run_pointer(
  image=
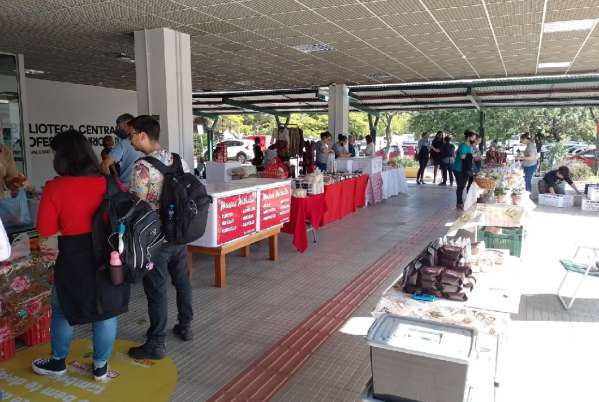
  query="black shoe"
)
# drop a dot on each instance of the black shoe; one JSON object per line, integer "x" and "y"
{"x": 442, "y": 183}
{"x": 152, "y": 351}
{"x": 184, "y": 332}
{"x": 101, "y": 373}
{"x": 51, "y": 367}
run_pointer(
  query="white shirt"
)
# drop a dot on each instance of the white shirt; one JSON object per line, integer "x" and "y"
{"x": 369, "y": 149}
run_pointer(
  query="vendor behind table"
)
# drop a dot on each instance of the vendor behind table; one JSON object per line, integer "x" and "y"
{"x": 551, "y": 182}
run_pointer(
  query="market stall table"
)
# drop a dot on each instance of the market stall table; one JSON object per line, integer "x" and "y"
{"x": 476, "y": 191}
{"x": 309, "y": 209}
{"x": 243, "y": 212}
{"x": 374, "y": 189}
{"x": 343, "y": 198}
{"x": 394, "y": 182}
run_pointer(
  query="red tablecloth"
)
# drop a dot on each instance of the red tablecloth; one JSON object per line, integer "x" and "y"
{"x": 304, "y": 209}
{"x": 342, "y": 198}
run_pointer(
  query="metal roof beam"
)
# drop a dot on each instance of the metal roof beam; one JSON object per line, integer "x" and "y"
{"x": 250, "y": 106}
{"x": 473, "y": 99}
{"x": 259, "y": 92}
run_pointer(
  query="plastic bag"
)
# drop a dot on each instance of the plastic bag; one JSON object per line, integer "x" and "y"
{"x": 15, "y": 211}
{"x": 20, "y": 247}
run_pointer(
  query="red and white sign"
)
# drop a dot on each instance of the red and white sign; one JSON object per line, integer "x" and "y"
{"x": 236, "y": 216}
{"x": 275, "y": 206}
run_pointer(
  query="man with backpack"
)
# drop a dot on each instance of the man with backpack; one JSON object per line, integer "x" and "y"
{"x": 147, "y": 183}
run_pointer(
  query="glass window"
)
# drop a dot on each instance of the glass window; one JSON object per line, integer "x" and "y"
{"x": 10, "y": 109}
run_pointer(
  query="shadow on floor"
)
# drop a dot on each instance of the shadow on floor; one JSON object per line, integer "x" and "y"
{"x": 547, "y": 307}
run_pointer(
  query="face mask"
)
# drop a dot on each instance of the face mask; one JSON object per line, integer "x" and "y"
{"x": 122, "y": 134}
{"x": 473, "y": 142}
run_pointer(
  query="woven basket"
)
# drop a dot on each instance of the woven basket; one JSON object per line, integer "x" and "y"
{"x": 484, "y": 183}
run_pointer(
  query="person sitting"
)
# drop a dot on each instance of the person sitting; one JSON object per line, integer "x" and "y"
{"x": 369, "y": 146}
{"x": 339, "y": 147}
{"x": 551, "y": 182}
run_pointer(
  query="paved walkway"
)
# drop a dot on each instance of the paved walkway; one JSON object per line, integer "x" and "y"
{"x": 265, "y": 301}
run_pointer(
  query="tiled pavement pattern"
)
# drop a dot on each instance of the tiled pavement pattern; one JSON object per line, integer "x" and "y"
{"x": 265, "y": 301}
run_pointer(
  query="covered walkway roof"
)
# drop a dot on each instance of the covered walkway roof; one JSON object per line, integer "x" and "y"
{"x": 537, "y": 91}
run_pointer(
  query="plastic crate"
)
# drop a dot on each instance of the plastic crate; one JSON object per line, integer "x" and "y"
{"x": 589, "y": 205}
{"x": 8, "y": 349}
{"x": 509, "y": 239}
{"x": 556, "y": 200}
{"x": 593, "y": 193}
{"x": 39, "y": 333}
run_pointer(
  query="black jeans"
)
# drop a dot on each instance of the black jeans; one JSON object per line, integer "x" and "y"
{"x": 447, "y": 171}
{"x": 423, "y": 164}
{"x": 461, "y": 178}
{"x": 171, "y": 260}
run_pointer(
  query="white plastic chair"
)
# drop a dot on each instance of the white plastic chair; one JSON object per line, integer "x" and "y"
{"x": 583, "y": 268}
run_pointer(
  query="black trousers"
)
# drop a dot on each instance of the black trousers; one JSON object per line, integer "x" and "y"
{"x": 446, "y": 170}
{"x": 423, "y": 162}
{"x": 171, "y": 260}
{"x": 461, "y": 179}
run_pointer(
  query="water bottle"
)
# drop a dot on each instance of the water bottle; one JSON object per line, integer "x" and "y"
{"x": 117, "y": 276}
{"x": 171, "y": 212}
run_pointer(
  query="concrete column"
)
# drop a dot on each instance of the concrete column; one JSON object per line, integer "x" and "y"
{"x": 163, "y": 81}
{"x": 338, "y": 110}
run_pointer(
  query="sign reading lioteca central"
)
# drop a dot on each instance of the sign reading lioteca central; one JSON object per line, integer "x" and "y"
{"x": 41, "y": 134}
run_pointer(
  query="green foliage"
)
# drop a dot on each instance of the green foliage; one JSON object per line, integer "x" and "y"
{"x": 556, "y": 152}
{"x": 405, "y": 162}
{"x": 579, "y": 170}
{"x": 547, "y": 125}
{"x": 311, "y": 124}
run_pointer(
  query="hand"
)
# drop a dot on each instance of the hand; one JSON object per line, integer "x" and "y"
{"x": 17, "y": 183}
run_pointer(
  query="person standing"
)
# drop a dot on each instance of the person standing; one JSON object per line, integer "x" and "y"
{"x": 447, "y": 160}
{"x": 122, "y": 153}
{"x": 340, "y": 147}
{"x": 477, "y": 161}
{"x": 258, "y": 160}
{"x": 146, "y": 183}
{"x": 463, "y": 165}
{"x": 80, "y": 295}
{"x": 369, "y": 146}
{"x": 435, "y": 153}
{"x": 422, "y": 154}
{"x": 323, "y": 151}
{"x": 352, "y": 145}
{"x": 529, "y": 160}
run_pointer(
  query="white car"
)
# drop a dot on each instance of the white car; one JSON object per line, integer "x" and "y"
{"x": 240, "y": 150}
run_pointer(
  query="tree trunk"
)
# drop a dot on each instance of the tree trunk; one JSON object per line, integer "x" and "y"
{"x": 596, "y": 120}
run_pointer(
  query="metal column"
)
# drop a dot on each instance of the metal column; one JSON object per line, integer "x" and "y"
{"x": 481, "y": 130}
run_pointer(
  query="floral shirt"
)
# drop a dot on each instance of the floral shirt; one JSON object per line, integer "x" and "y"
{"x": 146, "y": 180}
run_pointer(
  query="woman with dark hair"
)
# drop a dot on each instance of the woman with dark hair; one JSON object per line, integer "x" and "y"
{"x": 422, "y": 153}
{"x": 447, "y": 160}
{"x": 462, "y": 167}
{"x": 436, "y": 149}
{"x": 82, "y": 294}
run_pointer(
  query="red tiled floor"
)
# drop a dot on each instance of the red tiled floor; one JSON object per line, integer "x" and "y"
{"x": 263, "y": 378}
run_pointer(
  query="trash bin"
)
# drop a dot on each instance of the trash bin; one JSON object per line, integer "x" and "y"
{"x": 419, "y": 360}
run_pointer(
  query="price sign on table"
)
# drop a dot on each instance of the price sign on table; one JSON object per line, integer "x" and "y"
{"x": 275, "y": 206}
{"x": 236, "y": 216}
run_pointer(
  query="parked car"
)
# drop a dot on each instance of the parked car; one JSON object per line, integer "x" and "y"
{"x": 393, "y": 150}
{"x": 239, "y": 150}
{"x": 409, "y": 148}
{"x": 588, "y": 157}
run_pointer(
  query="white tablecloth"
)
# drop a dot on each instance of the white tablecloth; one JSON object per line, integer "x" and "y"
{"x": 394, "y": 182}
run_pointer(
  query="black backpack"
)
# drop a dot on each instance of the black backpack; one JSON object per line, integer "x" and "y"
{"x": 184, "y": 202}
{"x": 142, "y": 237}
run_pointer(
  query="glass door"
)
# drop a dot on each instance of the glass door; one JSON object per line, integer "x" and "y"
{"x": 10, "y": 109}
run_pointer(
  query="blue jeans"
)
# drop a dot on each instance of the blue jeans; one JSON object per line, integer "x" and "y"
{"x": 104, "y": 334}
{"x": 321, "y": 166}
{"x": 529, "y": 171}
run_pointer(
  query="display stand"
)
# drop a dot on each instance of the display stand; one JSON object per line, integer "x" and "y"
{"x": 243, "y": 244}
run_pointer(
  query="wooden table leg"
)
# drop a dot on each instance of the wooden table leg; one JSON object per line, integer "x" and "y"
{"x": 189, "y": 262}
{"x": 220, "y": 271}
{"x": 245, "y": 251}
{"x": 273, "y": 245}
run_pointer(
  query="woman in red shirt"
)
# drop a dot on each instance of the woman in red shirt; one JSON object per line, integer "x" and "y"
{"x": 82, "y": 293}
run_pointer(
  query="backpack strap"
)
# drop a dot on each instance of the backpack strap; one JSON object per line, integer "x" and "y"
{"x": 113, "y": 186}
{"x": 175, "y": 169}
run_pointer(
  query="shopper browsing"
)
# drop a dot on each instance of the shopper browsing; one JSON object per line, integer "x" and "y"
{"x": 352, "y": 145}
{"x": 147, "y": 183}
{"x": 80, "y": 295}
{"x": 551, "y": 183}
{"x": 122, "y": 153}
{"x": 462, "y": 167}
{"x": 477, "y": 161}
{"x": 423, "y": 148}
{"x": 447, "y": 160}
{"x": 529, "y": 160}
{"x": 435, "y": 153}
{"x": 340, "y": 147}
{"x": 108, "y": 144}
